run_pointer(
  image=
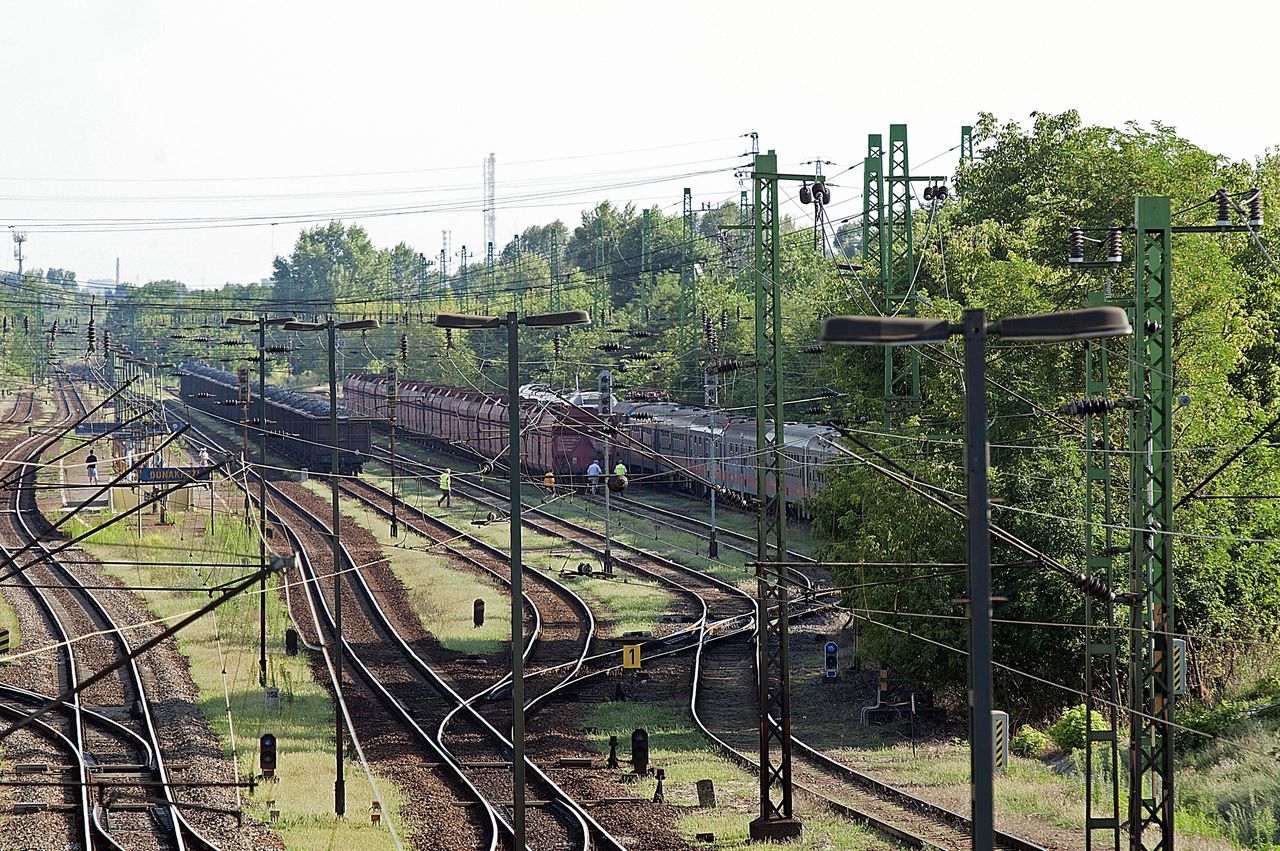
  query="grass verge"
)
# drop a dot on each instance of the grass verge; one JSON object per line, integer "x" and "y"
{"x": 223, "y": 656}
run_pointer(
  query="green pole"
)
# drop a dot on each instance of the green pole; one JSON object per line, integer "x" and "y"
{"x": 262, "y": 497}
{"x": 517, "y": 583}
{"x": 339, "y": 783}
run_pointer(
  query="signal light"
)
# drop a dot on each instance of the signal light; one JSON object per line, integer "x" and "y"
{"x": 267, "y": 754}
{"x": 833, "y": 660}
{"x": 604, "y": 384}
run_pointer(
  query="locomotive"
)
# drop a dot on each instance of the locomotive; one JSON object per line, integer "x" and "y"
{"x": 297, "y": 425}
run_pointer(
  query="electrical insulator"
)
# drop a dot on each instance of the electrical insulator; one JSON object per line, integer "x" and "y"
{"x": 26, "y": 325}
{"x": 91, "y": 340}
{"x": 1115, "y": 242}
{"x": 1075, "y": 246}
{"x": 609, "y": 347}
{"x": 724, "y": 323}
{"x": 811, "y": 350}
{"x": 1094, "y": 588}
{"x": 1224, "y": 208}
{"x": 106, "y": 340}
{"x": 1087, "y": 405}
{"x": 806, "y": 194}
{"x": 448, "y": 338}
{"x": 641, "y": 335}
{"x": 404, "y": 349}
{"x": 1255, "y": 207}
{"x": 556, "y": 345}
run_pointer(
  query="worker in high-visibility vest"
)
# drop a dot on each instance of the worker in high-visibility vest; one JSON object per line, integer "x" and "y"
{"x": 620, "y": 470}
{"x": 549, "y": 483}
{"x": 445, "y": 494}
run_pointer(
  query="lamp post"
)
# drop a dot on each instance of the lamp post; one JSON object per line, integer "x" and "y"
{"x": 339, "y": 783}
{"x": 262, "y": 322}
{"x": 512, "y": 323}
{"x": 1085, "y": 324}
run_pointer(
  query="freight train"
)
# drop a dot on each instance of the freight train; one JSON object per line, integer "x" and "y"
{"x": 297, "y": 425}
{"x": 659, "y": 439}
{"x": 554, "y": 435}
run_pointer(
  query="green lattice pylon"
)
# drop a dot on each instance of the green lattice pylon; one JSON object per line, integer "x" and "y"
{"x": 901, "y": 363}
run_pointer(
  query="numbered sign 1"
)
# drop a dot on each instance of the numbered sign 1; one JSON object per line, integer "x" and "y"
{"x": 631, "y": 656}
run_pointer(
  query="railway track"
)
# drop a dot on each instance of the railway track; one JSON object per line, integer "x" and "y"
{"x": 393, "y": 667}
{"x": 903, "y": 817}
{"x": 141, "y": 810}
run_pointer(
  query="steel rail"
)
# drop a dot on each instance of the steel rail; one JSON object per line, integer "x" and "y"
{"x": 324, "y": 622}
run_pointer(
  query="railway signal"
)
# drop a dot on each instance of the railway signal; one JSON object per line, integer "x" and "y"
{"x": 640, "y": 751}
{"x": 267, "y": 754}
{"x": 833, "y": 660}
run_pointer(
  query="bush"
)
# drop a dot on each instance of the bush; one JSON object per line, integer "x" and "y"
{"x": 1068, "y": 732}
{"x": 1029, "y": 742}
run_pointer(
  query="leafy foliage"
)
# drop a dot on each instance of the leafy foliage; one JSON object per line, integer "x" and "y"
{"x": 1029, "y": 742}
{"x": 1068, "y": 732}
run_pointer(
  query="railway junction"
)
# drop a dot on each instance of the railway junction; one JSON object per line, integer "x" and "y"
{"x": 911, "y": 527}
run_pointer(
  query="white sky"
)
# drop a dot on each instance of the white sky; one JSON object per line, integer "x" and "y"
{"x": 107, "y": 102}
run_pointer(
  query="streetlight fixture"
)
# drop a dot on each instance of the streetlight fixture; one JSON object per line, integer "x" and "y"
{"x": 512, "y": 322}
{"x": 262, "y": 322}
{"x": 339, "y": 783}
{"x": 1085, "y": 324}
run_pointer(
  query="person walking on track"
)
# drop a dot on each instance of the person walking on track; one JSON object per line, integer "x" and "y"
{"x": 445, "y": 499}
{"x": 91, "y": 467}
{"x": 620, "y": 470}
{"x": 549, "y": 482}
{"x": 593, "y": 477}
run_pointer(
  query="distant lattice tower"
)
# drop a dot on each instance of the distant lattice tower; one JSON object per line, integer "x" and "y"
{"x": 490, "y": 219}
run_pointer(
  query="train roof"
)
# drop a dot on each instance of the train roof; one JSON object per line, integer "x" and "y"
{"x": 309, "y": 405}
{"x": 697, "y": 418}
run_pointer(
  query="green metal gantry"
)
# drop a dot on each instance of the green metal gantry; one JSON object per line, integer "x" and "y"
{"x": 874, "y": 257}
{"x": 688, "y": 283}
{"x": 744, "y": 222}
{"x": 646, "y": 258}
{"x": 1102, "y": 638}
{"x": 1151, "y": 483}
{"x": 776, "y": 820}
{"x": 601, "y": 299}
{"x": 901, "y": 363}
{"x": 966, "y": 143}
{"x": 556, "y": 286}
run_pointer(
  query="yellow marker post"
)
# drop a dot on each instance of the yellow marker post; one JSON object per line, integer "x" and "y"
{"x": 631, "y": 657}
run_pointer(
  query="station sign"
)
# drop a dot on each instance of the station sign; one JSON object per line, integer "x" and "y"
{"x": 172, "y": 475}
{"x": 133, "y": 430}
